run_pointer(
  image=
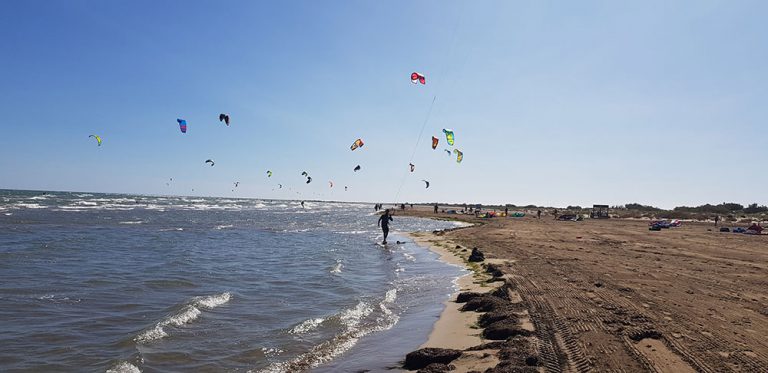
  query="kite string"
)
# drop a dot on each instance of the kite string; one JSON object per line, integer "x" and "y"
{"x": 416, "y": 147}
{"x": 439, "y": 85}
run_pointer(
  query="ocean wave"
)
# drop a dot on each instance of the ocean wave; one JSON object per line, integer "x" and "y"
{"x": 123, "y": 367}
{"x": 307, "y": 326}
{"x": 223, "y": 226}
{"x": 187, "y": 314}
{"x": 27, "y": 205}
{"x": 336, "y": 268}
{"x": 352, "y": 232}
{"x": 352, "y": 320}
{"x": 132, "y": 222}
{"x": 171, "y": 229}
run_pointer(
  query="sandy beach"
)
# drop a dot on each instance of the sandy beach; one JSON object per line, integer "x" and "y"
{"x": 606, "y": 295}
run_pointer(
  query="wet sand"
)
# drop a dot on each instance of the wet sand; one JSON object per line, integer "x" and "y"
{"x": 609, "y": 295}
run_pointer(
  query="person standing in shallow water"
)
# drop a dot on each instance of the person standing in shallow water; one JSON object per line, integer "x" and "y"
{"x": 384, "y": 220}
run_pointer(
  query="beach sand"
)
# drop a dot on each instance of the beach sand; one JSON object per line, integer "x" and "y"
{"x": 609, "y": 295}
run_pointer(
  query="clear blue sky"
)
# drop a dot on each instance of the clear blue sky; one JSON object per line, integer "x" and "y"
{"x": 553, "y": 103}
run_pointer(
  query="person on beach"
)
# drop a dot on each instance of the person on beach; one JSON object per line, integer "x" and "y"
{"x": 538, "y": 214}
{"x": 554, "y": 212}
{"x": 435, "y": 208}
{"x": 717, "y": 219}
{"x": 384, "y": 220}
{"x": 302, "y": 204}
{"x": 506, "y": 212}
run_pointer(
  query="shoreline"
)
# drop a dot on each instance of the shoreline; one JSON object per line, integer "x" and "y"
{"x": 456, "y": 329}
{"x": 602, "y": 295}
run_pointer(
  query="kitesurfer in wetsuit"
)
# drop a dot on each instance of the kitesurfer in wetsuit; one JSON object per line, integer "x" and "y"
{"x": 384, "y": 224}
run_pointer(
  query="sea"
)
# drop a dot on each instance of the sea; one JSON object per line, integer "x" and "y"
{"x": 95, "y": 282}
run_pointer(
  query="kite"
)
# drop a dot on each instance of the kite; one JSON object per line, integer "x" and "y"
{"x": 304, "y": 173}
{"x": 182, "y": 125}
{"x": 357, "y": 144}
{"x": 412, "y": 166}
{"x": 448, "y": 151}
{"x": 237, "y": 183}
{"x": 209, "y": 161}
{"x": 357, "y": 168}
{"x": 331, "y": 183}
{"x": 418, "y": 78}
{"x": 280, "y": 186}
{"x": 426, "y": 182}
{"x": 269, "y": 173}
{"x": 224, "y": 118}
{"x": 435, "y": 140}
{"x": 345, "y": 188}
{"x": 309, "y": 179}
{"x": 459, "y": 155}
{"x": 97, "y": 137}
{"x": 448, "y": 136}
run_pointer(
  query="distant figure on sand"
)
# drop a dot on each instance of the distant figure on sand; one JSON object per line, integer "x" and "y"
{"x": 554, "y": 212}
{"x": 435, "y": 208}
{"x": 384, "y": 224}
{"x": 302, "y": 204}
{"x": 717, "y": 219}
{"x": 402, "y": 206}
{"x": 538, "y": 214}
{"x": 506, "y": 212}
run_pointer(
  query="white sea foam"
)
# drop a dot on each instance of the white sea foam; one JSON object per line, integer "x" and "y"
{"x": 351, "y": 319}
{"x": 28, "y": 205}
{"x": 132, "y": 222}
{"x": 123, "y": 367}
{"x": 171, "y": 229}
{"x": 307, "y": 326}
{"x": 223, "y": 226}
{"x": 336, "y": 267}
{"x": 187, "y": 314}
{"x": 214, "y": 301}
{"x": 390, "y": 296}
{"x": 409, "y": 257}
{"x": 271, "y": 351}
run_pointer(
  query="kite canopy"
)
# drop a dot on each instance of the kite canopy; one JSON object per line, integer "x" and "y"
{"x": 459, "y": 155}
{"x": 280, "y": 186}
{"x": 224, "y": 118}
{"x": 345, "y": 188}
{"x": 210, "y": 161}
{"x": 413, "y": 167}
{"x": 427, "y": 183}
{"x": 182, "y": 125}
{"x": 330, "y": 183}
{"x": 97, "y": 137}
{"x": 448, "y": 136}
{"x": 304, "y": 173}
{"x": 418, "y": 78}
{"x": 448, "y": 151}
{"x": 435, "y": 140}
{"x": 269, "y": 173}
{"x": 357, "y": 144}
{"x": 357, "y": 168}
{"x": 237, "y": 183}
{"x": 309, "y": 179}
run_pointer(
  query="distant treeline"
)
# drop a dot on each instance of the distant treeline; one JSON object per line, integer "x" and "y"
{"x": 723, "y": 208}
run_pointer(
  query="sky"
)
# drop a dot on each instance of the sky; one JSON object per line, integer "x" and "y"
{"x": 553, "y": 103}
